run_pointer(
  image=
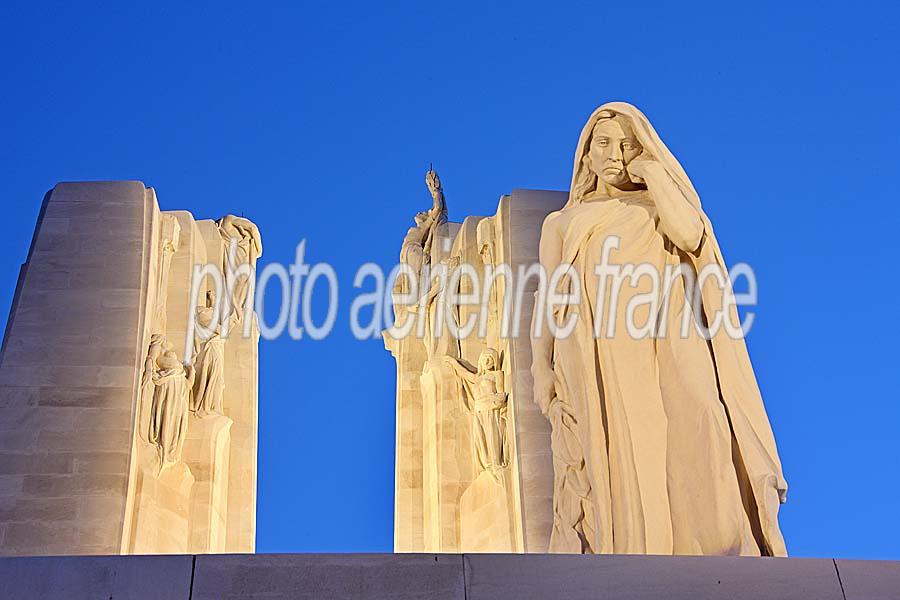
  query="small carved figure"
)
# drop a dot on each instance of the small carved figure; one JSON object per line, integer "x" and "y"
{"x": 209, "y": 363}
{"x": 243, "y": 245}
{"x": 486, "y": 238}
{"x": 416, "y": 249}
{"x": 169, "y": 235}
{"x": 486, "y": 399}
{"x": 167, "y": 384}
{"x": 435, "y": 309}
{"x": 438, "y": 212}
{"x": 412, "y": 252}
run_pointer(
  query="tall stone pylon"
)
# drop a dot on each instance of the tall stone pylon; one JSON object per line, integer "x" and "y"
{"x": 100, "y": 452}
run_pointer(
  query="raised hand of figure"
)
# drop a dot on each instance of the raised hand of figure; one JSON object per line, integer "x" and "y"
{"x": 638, "y": 168}
{"x": 433, "y": 182}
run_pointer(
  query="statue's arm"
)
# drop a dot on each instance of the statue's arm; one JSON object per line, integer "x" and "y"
{"x": 257, "y": 239}
{"x": 240, "y": 221}
{"x": 426, "y": 298}
{"x": 678, "y": 218}
{"x": 433, "y": 291}
{"x": 460, "y": 369}
{"x": 437, "y": 204}
{"x": 550, "y": 252}
{"x": 148, "y": 371}
{"x": 252, "y": 231}
{"x": 429, "y": 225}
{"x": 501, "y": 382}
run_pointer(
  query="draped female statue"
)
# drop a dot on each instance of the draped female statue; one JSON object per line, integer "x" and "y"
{"x": 209, "y": 362}
{"x": 243, "y": 245}
{"x": 166, "y": 383}
{"x": 661, "y": 443}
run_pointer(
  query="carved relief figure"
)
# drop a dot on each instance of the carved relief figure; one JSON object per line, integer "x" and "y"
{"x": 411, "y": 252}
{"x": 438, "y": 213}
{"x": 154, "y": 351}
{"x": 167, "y": 384}
{"x": 170, "y": 232}
{"x": 243, "y": 245}
{"x": 661, "y": 444}
{"x": 436, "y": 337}
{"x": 485, "y": 397}
{"x": 416, "y": 249}
{"x": 209, "y": 364}
{"x": 486, "y": 238}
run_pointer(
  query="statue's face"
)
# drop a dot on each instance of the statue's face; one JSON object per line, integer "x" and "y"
{"x": 486, "y": 254}
{"x": 487, "y": 362}
{"x": 613, "y": 147}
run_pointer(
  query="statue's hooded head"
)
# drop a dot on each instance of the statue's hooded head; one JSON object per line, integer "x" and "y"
{"x": 614, "y": 135}
{"x": 158, "y": 344}
{"x": 488, "y": 360}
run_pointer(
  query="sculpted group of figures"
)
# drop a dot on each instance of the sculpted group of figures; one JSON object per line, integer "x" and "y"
{"x": 660, "y": 445}
{"x": 484, "y": 395}
{"x": 170, "y": 388}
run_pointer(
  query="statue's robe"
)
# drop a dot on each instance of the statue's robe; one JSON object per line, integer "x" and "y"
{"x": 169, "y": 413}
{"x": 209, "y": 382}
{"x": 487, "y": 405}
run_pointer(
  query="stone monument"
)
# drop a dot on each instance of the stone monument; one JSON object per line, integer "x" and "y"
{"x": 112, "y": 442}
{"x": 473, "y": 450}
{"x": 602, "y": 440}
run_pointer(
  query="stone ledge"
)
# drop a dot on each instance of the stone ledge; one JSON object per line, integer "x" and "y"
{"x": 446, "y": 576}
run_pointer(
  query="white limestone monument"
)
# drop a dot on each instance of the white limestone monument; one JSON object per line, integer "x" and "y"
{"x": 572, "y": 375}
{"x": 112, "y": 442}
{"x": 636, "y": 428}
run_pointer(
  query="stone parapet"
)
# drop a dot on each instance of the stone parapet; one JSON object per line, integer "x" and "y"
{"x": 446, "y": 577}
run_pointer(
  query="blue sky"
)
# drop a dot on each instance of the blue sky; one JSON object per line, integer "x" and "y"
{"x": 318, "y": 121}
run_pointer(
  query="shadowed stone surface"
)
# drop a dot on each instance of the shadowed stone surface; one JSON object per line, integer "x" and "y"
{"x": 870, "y": 579}
{"x": 444, "y": 577}
{"x": 96, "y": 577}
{"x": 318, "y": 576}
{"x": 575, "y": 577}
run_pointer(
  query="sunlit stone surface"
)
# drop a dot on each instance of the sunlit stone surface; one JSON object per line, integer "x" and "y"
{"x": 653, "y": 444}
{"x": 100, "y": 450}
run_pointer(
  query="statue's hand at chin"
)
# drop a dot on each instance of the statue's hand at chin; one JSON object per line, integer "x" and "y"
{"x": 639, "y": 167}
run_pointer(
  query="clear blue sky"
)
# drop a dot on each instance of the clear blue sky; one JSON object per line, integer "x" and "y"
{"x": 318, "y": 121}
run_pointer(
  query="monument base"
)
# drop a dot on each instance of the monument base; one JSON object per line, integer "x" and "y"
{"x": 446, "y": 577}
